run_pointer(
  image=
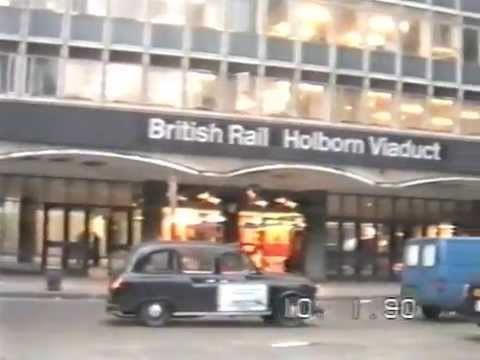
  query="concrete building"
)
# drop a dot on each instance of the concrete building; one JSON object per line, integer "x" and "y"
{"x": 326, "y": 132}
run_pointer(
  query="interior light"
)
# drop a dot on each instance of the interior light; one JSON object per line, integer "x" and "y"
{"x": 282, "y": 29}
{"x": 214, "y": 200}
{"x": 404, "y": 26}
{"x": 382, "y": 116}
{"x": 375, "y": 39}
{"x": 261, "y": 203}
{"x": 413, "y": 109}
{"x": 442, "y": 121}
{"x": 381, "y": 23}
{"x": 313, "y": 12}
{"x": 442, "y": 102}
{"x": 244, "y": 103}
{"x": 281, "y": 200}
{"x": 352, "y": 39}
{"x": 470, "y": 115}
{"x": 204, "y": 195}
{"x": 311, "y": 87}
{"x": 215, "y": 218}
{"x": 378, "y": 94}
{"x": 441, "y": 52}
{"x": 348, "y": 108}
{"x": 307, "y": 31}
{"x": 201, "y": 76}
{"x": 182, "y": 198}
{"x": 291, "y": 204}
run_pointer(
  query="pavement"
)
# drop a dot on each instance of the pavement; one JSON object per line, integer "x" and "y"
{"x": 80, "y": 329}
{"x": 95, "y": 286}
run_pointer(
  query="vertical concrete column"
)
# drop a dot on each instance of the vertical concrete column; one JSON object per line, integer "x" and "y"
{"x": 314, "y": 209}
{"x": 154, "y": 199}
{"x": 230, "y": 211}
{"x": 26, "y": 246}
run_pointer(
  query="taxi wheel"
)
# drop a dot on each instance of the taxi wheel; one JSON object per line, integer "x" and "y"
{"x": 154, "y": 313}
{"x": 431, "y": 312}
{"x": 279, "y": 313}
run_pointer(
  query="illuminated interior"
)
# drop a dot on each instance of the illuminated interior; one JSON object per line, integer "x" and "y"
{"x": 380, "y": 108}
{"x": 276, "y": 96}
{"x": 269, "y": 238}
{"x": 188, "y": 224}
{"x": 201, "y": 90}
{"x": 442, "y": 114}
{"x": 165, "y": 87}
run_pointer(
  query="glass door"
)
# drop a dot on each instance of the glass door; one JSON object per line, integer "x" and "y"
{"x": 77, "y": 240}
{"x": 120, "y": 230}
{"x": 98, "y": 220}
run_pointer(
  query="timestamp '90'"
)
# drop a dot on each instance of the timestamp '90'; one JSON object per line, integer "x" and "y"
{"x": 393, "y": 309}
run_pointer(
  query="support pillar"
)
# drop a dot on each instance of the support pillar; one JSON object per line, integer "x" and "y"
{"x": 230, "y": 211}
{"x": 154, "y": 199}
{"x": 314, "y": 209}
{"x": 26, "y": 246}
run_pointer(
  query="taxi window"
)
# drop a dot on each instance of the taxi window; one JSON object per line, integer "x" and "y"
{"x": 429, "y": 255}
{"x": 234, "y": 262}
{"x": 197, "y": 260}
{"x": 412, "y": 255}
{"x": 158, "y": 262}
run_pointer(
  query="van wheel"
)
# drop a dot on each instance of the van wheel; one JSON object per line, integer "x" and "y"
{"x": 154, "y": 313}
{"x": 431, "y": 312}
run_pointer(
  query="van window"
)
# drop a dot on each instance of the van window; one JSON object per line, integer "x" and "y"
{"x": 412, "y": 254}
{"x": 429, "y": 255}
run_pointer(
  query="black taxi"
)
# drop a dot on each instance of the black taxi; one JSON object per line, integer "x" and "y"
{"x": 165, "y": 280}
{"x": 471, "y": 305}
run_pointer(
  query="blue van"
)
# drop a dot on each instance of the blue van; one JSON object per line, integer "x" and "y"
{"x": 437, "y": 272}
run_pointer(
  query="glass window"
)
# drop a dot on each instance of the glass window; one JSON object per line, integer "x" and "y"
{"x": 167, "y": 12}
{"x": 433, "y": 208}
{"x": 444, "y": 42}
{"x": 242, "y": 86}
{"x": 333, "y": 233}
{"x": 443, "y": 113}
{"x": 367, "y": 207}
{"x": 165, "y": 86}
{"x": 124, "y": 9}
{"x": 415, "y": 34}
{"x": 310, "y": 21}
{"x": 156, "y": 263}
{"x": 242, "y": 15}
{"x": 333, "y": 205}
{"x": 429, "y": 255}
{"x": 89, "y": 7}
{"x": 277, "y": 23}
{"x": 235, "y": 262}
{"x": 202, "y": 90}
{"x": 348, "y": 28}
{"x": 402, "y": 208}
{"x": 7, "y": 68}
{"x": 42, "y": 76}
{"x": 385, "y": 208}
{"x": 349, "y": 249}
{"x": 53, "y": 5}
{"x": 470, "y": 46}
{"x": 470, "y": 119}
{"x": 117, "y": 75}
{"x": 412, "y": 255}
{"x": 418, "y": 208}
{"x": 381, "y": 32}
{"x": 312, "y": 100}
{"x": 197, "y": 260}
{"x": 207, "y": 13}
{"x": 412, "y": 112}
{"x": 13, "y": 3}
{"x": 276, "y": 96}
{"x": 384, "y": 237}
{"x": 380, "y": 108}
{"x": 350, "y": 205}
{"x": 348, "y": 105}
{"x": 83, "y": 79}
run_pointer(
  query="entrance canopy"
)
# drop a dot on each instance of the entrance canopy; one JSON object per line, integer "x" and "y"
{"x": 212, "y": 171}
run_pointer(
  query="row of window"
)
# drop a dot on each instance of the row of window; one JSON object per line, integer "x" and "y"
{"x": 241, "y": 91}
{"x": 384, "y": 207}
{"x": 379, "y": 27}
